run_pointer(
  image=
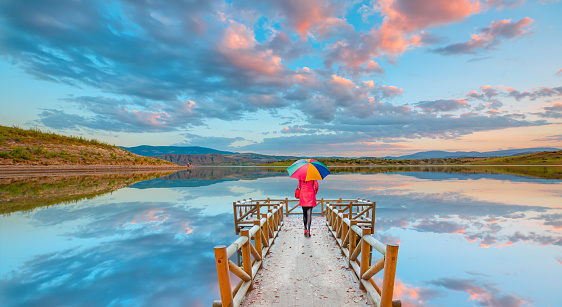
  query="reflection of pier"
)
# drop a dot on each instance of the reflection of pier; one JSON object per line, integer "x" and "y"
{"x": 350, "y": 222}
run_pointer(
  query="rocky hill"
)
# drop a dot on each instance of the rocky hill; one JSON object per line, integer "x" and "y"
{"x": 151, "y": 151}
{"x": 219, "y": 159}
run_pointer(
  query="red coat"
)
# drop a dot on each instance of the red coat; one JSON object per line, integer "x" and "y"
{"x": 308, "y": 193}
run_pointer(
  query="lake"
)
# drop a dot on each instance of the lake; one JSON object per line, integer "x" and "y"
{"x": 469, "y": 236}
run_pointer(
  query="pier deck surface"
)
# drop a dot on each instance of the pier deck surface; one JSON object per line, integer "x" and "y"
{"x": 305, "y": 271}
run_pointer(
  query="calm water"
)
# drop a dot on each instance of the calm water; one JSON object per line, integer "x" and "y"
{"x": 465, "y": 239}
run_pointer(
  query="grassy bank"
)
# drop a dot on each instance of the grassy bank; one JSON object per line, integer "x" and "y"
{"x": 540, "y": 158}
{"x": 535, "y": 171}
{"x": 35, "y": 147}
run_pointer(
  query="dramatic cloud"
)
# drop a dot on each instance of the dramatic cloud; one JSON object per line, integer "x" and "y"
{"x": 489, "y": 37}
{"x": 160, "y": 67}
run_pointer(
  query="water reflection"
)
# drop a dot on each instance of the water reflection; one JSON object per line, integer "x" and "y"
{"x": 29, "y": 193}
{"x": 466, "y": 239}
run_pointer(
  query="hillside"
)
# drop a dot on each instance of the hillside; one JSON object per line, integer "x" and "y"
{"x": 35, "y": 147}
{"x": 539, "y": 158}
{"x": 437, "y": 154}
{"x": 151, "y": 151}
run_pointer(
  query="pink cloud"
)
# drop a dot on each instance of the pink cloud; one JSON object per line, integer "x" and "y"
{"x": 238, "y": 46}
{"x": 342, "y": 81}
{"x": 303, "y": 15}
{"x": 373, "y": 66}
{"x": 390, "y": 91}
{"x": 238, "y": 36}
{"x": 402, "y": 17}
{"x": 489, "y": 37}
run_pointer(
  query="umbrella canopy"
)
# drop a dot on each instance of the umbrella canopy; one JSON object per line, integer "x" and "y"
{"x": 308, "y": 169}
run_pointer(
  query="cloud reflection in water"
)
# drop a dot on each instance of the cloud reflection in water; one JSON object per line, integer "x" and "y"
{"x": 152, "y": 243}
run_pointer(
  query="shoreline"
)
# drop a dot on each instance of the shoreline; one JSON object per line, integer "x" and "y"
{"x": 424, "y": 165}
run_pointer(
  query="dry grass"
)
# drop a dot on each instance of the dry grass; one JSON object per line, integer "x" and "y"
{"x": 35, "y": 147}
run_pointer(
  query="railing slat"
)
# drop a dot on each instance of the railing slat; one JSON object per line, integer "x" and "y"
{"x": 232, "y": 248}
{"x": 238, "y": 271}
{"x": 376, "y": 244}
{"x": 377, "y": 267}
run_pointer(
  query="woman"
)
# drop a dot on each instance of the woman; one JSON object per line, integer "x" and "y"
{"x": 307, "y": 201}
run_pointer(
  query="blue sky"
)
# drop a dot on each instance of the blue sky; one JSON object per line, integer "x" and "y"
{"x": 307, "y": 77}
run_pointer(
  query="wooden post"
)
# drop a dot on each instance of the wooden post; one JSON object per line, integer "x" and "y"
{"x": 224, "y": 276}
{"x": 365, "y": 255}
{"x": 266, "y": 229}
{"x": 276, "y": 218}
{"x": 257, "y": 240}
{"x": 235, "y": 218}
{"x": 352, "y": 242}
{"x": 343, "y": 233}
{"x": 246, "y": 261}
{"x": 373, "y": 217}
{"x": 258, "y": 211}
{"x": 271, "y": 224}
{"x": 390, "y": 261}
{"x": 287, "y": 207}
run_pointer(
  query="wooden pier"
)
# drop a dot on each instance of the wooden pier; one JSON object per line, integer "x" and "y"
{"x": 331, "y": 268}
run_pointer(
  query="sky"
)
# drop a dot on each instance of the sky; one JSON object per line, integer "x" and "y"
{"x": 294, "y": 77}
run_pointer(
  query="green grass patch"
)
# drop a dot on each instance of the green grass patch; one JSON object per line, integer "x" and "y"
{"x": 18, "y": 153}
{"x": 35, "y": 134}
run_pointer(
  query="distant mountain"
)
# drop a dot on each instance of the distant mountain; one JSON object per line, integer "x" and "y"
{"x": 151, "y": 151}
{"x": 436, "y": 154}
{"x": 221, "y": 159}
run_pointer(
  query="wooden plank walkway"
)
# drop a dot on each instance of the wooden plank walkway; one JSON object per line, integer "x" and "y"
{"x": 303, "y": 271}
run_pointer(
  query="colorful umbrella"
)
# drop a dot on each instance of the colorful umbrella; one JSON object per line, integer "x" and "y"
{"x": 308, "y": 169}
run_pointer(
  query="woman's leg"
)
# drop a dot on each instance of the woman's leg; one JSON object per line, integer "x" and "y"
{"x": 309, "y": 217}
{"x": 304, "y": 216}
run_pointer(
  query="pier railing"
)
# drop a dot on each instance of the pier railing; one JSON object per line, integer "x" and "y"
{"x": 351, "y": 221}
{"x": 357, "y": 244}
{"x": 265, "y": 228}
{"x": 247, "y": 210}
